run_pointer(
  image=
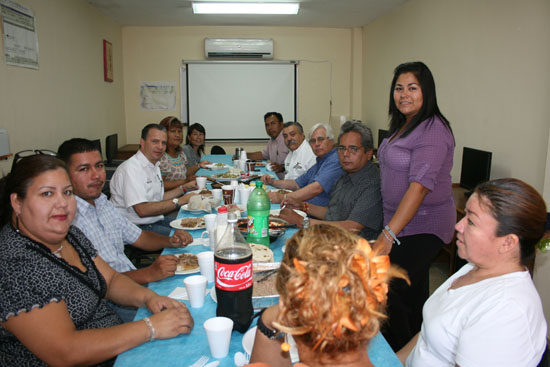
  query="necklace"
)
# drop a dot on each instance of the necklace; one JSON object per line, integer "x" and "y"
{"x": 57, "y": 252}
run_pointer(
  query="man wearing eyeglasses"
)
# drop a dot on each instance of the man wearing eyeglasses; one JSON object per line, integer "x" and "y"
{"x": 315, "y": 185}
{"x": 356, "y": 201}
{"x": 107, "y": 229}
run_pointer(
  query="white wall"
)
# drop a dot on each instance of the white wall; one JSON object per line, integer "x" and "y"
{"x": 490, "y": 60}
{"x": 66, "y": 97}
{"x": 325, "y": 55}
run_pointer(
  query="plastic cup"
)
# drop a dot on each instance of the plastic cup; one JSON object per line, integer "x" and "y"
{"x": 218, "y": 332}
{"x": 251, "y": 166}
{"x": 201, "y": 182}
{"x": 243, "y": 155}
{"x": 206, "y": 263}
{"x": 228, "y": 193}
{"x": 210, "y": 221}
{"x": 217, "y": 194}
{"x": 244, "y": 193}
{"x": 211, "y": 236}
{"x": 196, "y": 289}
{"x": 242, "y": 165}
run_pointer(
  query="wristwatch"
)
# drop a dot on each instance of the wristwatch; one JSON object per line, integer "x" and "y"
{"x": 270, "y": 333}
{"x": 176, "y": 202}
{"x": 305, "y": 223}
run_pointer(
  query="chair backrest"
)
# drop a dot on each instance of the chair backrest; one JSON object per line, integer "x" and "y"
{"x": 111, "y": 147}
{"x": 216, "y": 149}
{"x": 382, "y": 134}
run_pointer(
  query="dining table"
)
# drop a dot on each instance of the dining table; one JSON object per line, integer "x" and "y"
{"x": 184, "y": 350}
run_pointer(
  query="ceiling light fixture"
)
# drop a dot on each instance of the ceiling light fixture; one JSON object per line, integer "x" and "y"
{"x": 245, "y": 8}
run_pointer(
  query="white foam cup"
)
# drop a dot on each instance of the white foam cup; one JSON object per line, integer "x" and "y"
{"x": 201, "y": 182}
{"x": 206, "y": 263}
{"x": 210, "y": 221}
{"x": 217, "y": 194}
{"x": 196, "y": 288}
{"x": 218, "y": 332}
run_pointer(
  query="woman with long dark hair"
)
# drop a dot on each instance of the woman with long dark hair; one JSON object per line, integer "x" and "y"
{"x": 419, "y": 211}
{"x": 194, "y": 148}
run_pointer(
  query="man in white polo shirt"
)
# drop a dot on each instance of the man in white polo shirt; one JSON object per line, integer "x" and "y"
{"x": 137, "y": 189}
{"x": 301, "y": 156}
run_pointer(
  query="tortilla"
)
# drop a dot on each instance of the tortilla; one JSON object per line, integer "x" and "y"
{"x": 187, "y": 262}
{"x": 192, "y": 222}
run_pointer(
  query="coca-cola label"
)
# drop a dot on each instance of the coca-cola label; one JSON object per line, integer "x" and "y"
{"x": 233, "y": 277}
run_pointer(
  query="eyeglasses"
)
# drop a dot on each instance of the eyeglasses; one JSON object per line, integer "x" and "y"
{"x": 352, "y": 149}
{"x": 318, "y": 140}
{"x": 29, "y": 153}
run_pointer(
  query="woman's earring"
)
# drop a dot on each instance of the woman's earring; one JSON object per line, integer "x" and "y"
{"x": 17, "y": 222}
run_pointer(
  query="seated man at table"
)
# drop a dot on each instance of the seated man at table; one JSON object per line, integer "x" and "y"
{"x": 275, "y": 151}
{"x": 106, "y": 228}
{"x": 301, "y": 157}
{"x": 315, "y": 185}
{"x": 355, "y": 201}
{"x": 137, "y": 189}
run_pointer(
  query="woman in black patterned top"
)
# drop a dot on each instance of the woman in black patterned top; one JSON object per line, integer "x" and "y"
{"x": 54, "y": 285}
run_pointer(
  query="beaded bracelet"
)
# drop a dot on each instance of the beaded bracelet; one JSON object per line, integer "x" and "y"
{"x": 387, "y": 228}
{"x": 306, "y": 207}
{"x": 151, "y": 329}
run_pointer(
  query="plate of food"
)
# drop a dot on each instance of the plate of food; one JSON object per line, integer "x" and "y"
{"x": 227, "y": 176}
{"x": 260, "y": 164}
{"x": 188, "y": 224}
{"x": 187, "y": 264}
{"x": 280, "y": 191}
{"x": 275, "y": 213}
{"x": 203, "y": 192}
{"x": 216, "y": 166}
{"x": 186, "y": 208}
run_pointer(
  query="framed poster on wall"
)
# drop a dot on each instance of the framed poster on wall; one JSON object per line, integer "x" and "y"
{"x": 107, "y": 61}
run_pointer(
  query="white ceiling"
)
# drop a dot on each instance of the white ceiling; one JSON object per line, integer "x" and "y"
{"x": 313, "y": 13}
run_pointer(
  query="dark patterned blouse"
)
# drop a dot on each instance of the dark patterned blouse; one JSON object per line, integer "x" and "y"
{"x": 31, "y": 276}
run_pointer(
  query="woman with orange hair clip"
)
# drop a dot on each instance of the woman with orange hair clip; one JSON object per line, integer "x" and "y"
{"x": 333, "y": 290}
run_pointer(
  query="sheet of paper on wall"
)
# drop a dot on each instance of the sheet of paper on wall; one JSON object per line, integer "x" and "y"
{"x": 157, "y": 95}
{"x": 20, "y": 38}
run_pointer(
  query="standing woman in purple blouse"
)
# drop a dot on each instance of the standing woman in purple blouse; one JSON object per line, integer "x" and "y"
{"x": 419, "y": 209}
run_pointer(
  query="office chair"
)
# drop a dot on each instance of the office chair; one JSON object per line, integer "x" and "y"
{"x": 216, "y": 149}
{"x": 111, "y": 150}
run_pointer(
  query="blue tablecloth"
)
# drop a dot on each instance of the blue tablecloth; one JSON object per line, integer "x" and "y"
{"x": 186, "y": 349}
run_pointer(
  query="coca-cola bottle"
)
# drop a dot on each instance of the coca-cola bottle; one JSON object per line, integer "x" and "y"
{"x": 233, "y": 270}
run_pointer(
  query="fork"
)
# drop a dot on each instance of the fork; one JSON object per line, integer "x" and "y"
{"x": 200, "y": 362}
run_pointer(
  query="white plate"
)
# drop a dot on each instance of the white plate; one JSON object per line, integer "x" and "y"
{"x": 189, "y": 271}
{"x": 248, "y": 340}
{"x": 276, "y": 212}
{"x": 216, "y": 166}
{"x": 176, "y": 223}
{"x": 185, "y": 208}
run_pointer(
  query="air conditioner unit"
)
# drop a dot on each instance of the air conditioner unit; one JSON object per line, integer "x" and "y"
{"x": 239, "y": 48}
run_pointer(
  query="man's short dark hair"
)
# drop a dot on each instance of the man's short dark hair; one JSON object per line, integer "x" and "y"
{"x": 294, "y": 123}
{"x": 75, "y": 146}
{"x": 276, "y": 114}
{"x": 145, "y": 130}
